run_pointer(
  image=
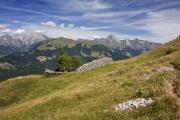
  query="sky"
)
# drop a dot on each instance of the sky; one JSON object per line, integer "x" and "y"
{"x": 153, "y": 20}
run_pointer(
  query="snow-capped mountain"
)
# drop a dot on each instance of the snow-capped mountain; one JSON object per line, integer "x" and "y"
{"x": 115, "y": 42}
{"x": 19, "y": 42}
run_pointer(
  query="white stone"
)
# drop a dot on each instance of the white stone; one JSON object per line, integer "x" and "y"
{"x": 136, "y": 103}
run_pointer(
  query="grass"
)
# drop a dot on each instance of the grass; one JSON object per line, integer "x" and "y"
{"x": 91, "y": 95}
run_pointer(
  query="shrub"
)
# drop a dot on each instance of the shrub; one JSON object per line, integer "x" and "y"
{"x": 67, "y": 63}
{"x": 169, "y": 51}
{"x": 63, "y": 62}
{"x": 75, "y": 62}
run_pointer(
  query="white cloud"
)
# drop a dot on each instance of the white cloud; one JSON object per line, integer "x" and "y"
{"x": 6, "y": 30}
{"x": 96, "y": 37}
{"x": 94, "y": 28}
{"x": 2, "y": 26}
{"x": 39, "y": 31}
{"x": 71, "y": 25}
{"x": 16, "y": 21}
{"x": 19, "y": 31}
{"x": 62, "y": 25}
{"x": 69, "y": 32}
{"x": 91, "y": 5}
{"x": 37, "y": 12}
{"x": 49, "y": 23}
{"x": 164, "y": 25}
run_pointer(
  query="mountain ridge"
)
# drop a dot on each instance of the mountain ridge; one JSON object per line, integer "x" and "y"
{"x": 27, "y": 41}
{"x": 20, "y": 42}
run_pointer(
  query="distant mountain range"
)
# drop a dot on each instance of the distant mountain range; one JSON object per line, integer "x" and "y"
{"x": 113, "y": 41}
{"x": 31, "y": 53}
{"x": 19, "y": 42}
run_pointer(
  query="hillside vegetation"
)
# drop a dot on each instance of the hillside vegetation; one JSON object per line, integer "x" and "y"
{"x": 91, "y": 95}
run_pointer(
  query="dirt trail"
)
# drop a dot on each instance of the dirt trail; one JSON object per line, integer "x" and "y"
{"x": 170, "y": 90}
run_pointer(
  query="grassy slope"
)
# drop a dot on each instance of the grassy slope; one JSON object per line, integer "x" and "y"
{"x": 86, "y": 96}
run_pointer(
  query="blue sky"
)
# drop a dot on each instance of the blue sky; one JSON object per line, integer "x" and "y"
{"x": 153, "y": 20}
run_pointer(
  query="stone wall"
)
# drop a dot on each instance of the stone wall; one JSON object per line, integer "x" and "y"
{"x": 52, "y": 72}
{"x": 95, "y": 64}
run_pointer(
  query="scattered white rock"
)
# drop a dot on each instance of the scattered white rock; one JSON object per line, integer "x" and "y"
{"x": 136, "y": 103}
{"x": 164, "y": 68}
{"x": 41, "y": 58}
{"x": 95, "y": 64}
{"x": 147, "y": 75}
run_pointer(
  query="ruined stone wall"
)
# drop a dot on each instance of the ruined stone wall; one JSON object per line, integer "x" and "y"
{"x": 95, "y": 64}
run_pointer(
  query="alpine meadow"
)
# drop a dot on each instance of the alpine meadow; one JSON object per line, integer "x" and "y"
{"x": 89, "y": 60}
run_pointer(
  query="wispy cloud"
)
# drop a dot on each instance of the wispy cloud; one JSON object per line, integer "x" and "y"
{"x": 155, "y": 20}
{"x": 49, "y": 23}
{"x": 19, "y": 31}
{"x": 163, "y": 24}
{"x": 69, "y": 31}
{"x": 36, "y": 12}
{"x": 3, "y": 26}
{"x": 7, "y": 30}
{"x": 81, "y": 5}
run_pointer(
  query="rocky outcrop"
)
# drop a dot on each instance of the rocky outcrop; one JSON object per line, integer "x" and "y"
{"x": 41, "y": 58}
{"x": 136, "y": 103}
{"x": 6, "y": 66}
{"x": 20, "y": 42}
{"x": 113, "y": 41}
{"x": 95, "y": 64}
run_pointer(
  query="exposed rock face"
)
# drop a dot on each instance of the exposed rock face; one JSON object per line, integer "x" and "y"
{"x": 19, "y": 42}
{"x": 41, "y": 58}
{"x": 136, "y": 103}
{"x": 113, "y": 41}
{"x": 6, "y": 66}
{"x": 95, "y": 64}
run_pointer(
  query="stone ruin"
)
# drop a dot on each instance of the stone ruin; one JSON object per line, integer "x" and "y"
{"x": 95, "y": 64}
{"x": 136, "y": 103}
{"x": 52, "y": 72}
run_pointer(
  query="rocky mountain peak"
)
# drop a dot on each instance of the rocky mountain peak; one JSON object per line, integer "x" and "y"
{"x": 113, "y": 37}
{"x": 20, "y": 42}
{"x": 114, "y": 41}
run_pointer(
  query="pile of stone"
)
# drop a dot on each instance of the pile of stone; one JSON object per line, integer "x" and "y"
{"x": 52, "y": 72}
{"x": 136, "y": 103}
{"x": 95, "y": 64}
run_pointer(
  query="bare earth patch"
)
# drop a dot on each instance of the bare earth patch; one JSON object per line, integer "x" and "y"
{"x": 147, "y": 75}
